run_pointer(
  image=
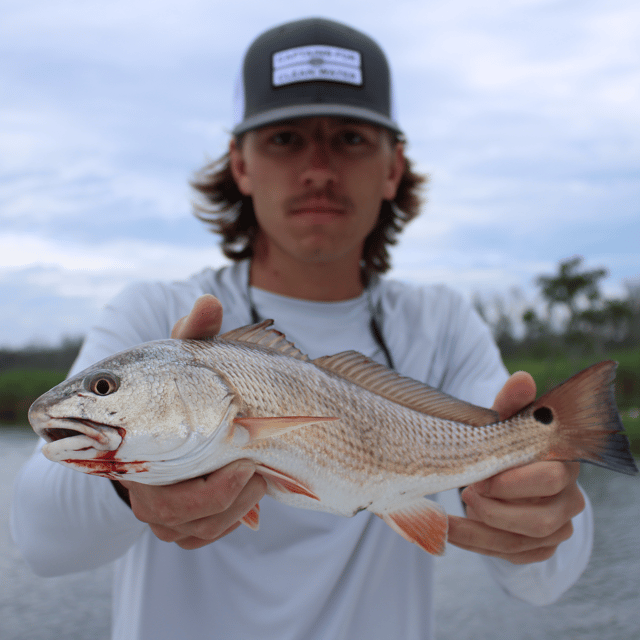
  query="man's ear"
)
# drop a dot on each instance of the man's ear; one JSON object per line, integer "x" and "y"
{"x": 396, "y": 171}
{"x": 238, "y": 168}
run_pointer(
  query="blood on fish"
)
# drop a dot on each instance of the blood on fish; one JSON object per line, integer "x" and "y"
{"x": 106, "y": 463}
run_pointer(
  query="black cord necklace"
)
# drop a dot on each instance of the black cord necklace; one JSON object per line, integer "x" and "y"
{"x": 375, "y": 322}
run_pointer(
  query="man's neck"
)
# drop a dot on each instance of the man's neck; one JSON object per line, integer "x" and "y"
{"x": 324, "y": 281}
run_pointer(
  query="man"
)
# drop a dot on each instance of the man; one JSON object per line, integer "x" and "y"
{"x": 304, "y": 204}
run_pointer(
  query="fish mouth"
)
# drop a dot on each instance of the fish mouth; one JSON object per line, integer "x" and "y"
{"x": 85, "y": 438}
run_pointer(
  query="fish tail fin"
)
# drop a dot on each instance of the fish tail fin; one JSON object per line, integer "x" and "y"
{"x": 587, "y": 423}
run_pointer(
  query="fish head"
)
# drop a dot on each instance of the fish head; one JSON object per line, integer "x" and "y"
{"x": 144, "y": 412}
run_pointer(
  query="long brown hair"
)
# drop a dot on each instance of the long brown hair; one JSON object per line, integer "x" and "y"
{"x": 230, "y": 213}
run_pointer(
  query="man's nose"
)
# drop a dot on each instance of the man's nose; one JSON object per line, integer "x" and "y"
{"x": 319, "y": 167}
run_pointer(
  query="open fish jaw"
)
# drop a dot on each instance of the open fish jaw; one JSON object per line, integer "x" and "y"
{"x": 79, "y": 439}
{"x": 65, "y": 434}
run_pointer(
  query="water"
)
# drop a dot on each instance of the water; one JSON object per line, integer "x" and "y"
{"x": 603, "y": 605}
{"x": 73, "y": 607}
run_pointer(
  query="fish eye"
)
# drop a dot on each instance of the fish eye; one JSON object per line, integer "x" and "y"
{"x": 102, "y": 383}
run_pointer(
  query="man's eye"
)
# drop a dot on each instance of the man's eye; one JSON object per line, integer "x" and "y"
{"x": 284, "y": 138}
{"x": 352, "y": 138}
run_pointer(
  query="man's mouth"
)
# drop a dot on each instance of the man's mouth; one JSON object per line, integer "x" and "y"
{"x": 318, "y": 211}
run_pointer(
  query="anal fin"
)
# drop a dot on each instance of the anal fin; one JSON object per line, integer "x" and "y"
{"x": 422, "y": 522}
{"x": 282, "y": 482}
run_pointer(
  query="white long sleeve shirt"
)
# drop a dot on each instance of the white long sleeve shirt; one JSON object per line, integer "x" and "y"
{"x": 304, "y": 574}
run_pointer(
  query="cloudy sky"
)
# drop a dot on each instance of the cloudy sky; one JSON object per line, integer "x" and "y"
{"x": 524, "y": 112}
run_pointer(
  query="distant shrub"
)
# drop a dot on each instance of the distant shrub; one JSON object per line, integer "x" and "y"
{"x": 20, "y": 387}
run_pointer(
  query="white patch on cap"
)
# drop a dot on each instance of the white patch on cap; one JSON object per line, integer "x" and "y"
{"x": 317, "y": 62}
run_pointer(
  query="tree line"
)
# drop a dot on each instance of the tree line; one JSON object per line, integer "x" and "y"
{"x": 573, "y": 318}
{"x": 58, "y": 358}
{"x": 27, "y": 373}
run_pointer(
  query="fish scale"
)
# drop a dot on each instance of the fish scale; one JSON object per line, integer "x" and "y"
{"x": 338, "y": 434}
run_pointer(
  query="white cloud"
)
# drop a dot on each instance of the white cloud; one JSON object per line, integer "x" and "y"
{"x": 116, "y": 259}
{"x": 52, "y": 289}
{"x": 24, "y": 250}
{"x": 59, "y": 166}
{"x": 140, "y": 33}
{"x": 32, "y": 138}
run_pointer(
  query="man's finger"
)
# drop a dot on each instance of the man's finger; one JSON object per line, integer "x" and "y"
{"x": 203, "y": 321}
{"x": 535, "y": 480}
{"x": 192, "y": 542}
{"x": 481, "y": 538}
{"x": 533, "y": 518}
{"x": 519, "y": 390}
{"x": 214, "y": 527}
{"x": 174, "y": 505}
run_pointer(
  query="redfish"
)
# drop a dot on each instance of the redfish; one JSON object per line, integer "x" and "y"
{"x": 338, "y": 434}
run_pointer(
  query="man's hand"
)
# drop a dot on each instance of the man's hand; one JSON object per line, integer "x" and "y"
{"x": 197, "y": 512}
{"x": 203, "y": 321}
{"x": 521, "y": 514}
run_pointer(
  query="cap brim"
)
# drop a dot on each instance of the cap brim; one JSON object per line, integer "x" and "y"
{"x": 310, "y": 110}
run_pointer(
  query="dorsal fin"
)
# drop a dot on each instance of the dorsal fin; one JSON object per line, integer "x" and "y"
{"x": 265, "y": 337}
{"x": 410, "y": 393}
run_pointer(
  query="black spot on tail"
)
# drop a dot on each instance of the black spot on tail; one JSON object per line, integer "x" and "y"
{"x": 544, "y": 415}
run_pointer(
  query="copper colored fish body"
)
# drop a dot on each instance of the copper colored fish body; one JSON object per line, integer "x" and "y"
{"x": 337, "y": 434}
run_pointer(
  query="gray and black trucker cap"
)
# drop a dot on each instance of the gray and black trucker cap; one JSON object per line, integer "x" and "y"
{"x": 313, "y": 67}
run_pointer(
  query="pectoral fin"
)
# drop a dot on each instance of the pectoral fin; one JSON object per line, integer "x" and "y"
{"x": 422, "y": 522}
{"x": 259, "y": 428}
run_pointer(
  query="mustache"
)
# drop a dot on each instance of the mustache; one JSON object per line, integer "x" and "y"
{"x": 326, "y": 196}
